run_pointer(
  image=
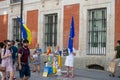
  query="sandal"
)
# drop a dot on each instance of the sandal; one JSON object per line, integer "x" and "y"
{"x": 14, "y": 78}
{"x": 72, "y": 76}
{"x": 66, "y": 75}
{"x": 34, "y": 71}
{"x": 38, "y": 71}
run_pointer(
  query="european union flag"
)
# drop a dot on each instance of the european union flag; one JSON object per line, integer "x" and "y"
{"x": 72, "y": 34}
{"x": 26, "y": 33}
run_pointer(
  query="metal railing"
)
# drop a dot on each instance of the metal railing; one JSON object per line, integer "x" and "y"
{"x": 14, "y": 1}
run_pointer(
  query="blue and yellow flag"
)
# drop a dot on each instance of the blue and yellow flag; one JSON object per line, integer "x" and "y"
{"x": 26, "y": 33}
{"x": 71, "y": 36}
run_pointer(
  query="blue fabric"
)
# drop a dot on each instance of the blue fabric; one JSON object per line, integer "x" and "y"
{"x": 24, "y": 33}
{"x": 48, "y": 69}
{"x": 71, "y": 36}
{"x": 39, "y": 50}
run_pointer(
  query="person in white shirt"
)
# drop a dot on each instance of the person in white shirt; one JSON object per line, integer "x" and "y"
{"x": 69, "y": 63}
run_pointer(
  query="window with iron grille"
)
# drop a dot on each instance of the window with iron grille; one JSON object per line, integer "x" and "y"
{"x": 50, "y": 30}
{"x": 97, "y": 31}
{"x": 16, "y": 29}
{"x": 14, "y": 1}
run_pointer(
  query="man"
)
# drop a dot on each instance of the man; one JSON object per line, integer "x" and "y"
{"x": 14, "y": 51}
{"x": 23, "y": 64}
{"x": 116, "y": 57}
{"x": 69, "y": 63}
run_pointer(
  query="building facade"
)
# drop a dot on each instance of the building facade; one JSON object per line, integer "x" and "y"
{"x": 96, "y": 26}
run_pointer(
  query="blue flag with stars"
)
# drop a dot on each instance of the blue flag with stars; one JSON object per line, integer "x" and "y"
{"x": 71, "y": 36}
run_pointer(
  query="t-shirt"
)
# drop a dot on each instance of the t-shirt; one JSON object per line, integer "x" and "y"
{"x": 35, "y": 55}
{"x": 14, "y": 50}
{"x": 118, "y": 51}
{"x": 25, "y": 54}
{"x": 39, "y": 50}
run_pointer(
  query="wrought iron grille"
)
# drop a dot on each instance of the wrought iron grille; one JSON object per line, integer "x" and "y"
{"x": 14, "y": 1}
{"x": 97, "y": 31}
{"x": 50, "y": 30}
{"x": 16, "y": 29}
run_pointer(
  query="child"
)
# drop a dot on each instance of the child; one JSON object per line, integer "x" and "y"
{"x": 36, "y": 58}
{"x": 57, "y": 59}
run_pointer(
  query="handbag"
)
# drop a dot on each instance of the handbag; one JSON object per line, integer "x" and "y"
{"x": 111, "y": 67}
{"x": 65, "y": 52}
{"x": 3, "y": 69}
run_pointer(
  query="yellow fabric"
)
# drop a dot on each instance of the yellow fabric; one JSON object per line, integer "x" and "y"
{"x": 29, "y": 34}
{"x": 59, "y": 61}
{"x": 54, "y": 70}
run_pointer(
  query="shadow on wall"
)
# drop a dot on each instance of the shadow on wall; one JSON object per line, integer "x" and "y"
{"x": 95, "y": 66}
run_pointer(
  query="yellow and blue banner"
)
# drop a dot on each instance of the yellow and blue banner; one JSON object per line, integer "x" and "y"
{"x": 26, "y": 33}
{"x": 71, "y": 36}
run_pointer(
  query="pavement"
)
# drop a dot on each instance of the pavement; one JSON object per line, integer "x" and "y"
{"x": 80, "y": 74}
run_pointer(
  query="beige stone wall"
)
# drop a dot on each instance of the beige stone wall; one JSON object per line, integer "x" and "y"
{"x": 57, "y": 6}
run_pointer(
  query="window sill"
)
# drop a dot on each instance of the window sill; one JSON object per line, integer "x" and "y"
{"x": 16, "y": 3}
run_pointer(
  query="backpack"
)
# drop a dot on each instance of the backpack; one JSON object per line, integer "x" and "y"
{"x": 65, "y": 52}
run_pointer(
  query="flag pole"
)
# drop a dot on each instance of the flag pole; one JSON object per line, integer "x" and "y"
{"x": 21, "y": 16}
{"x": 21, "y": 9}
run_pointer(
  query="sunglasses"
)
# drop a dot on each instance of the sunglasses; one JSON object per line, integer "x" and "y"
{"x": 9, "y": 44}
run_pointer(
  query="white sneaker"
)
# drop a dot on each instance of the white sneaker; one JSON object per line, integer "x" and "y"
{"x": 119, "y": 64}
{"x": 0, "y": 73}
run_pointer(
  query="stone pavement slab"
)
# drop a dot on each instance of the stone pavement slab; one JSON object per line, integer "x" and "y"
{"x": 80, "y": 74}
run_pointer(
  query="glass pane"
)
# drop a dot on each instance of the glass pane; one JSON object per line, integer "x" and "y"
{"x": 97, "y": 31}
{"x": 51, "y": 31}
{"x": 16, "y": 27}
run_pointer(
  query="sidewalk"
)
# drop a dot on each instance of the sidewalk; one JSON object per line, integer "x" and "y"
{"x": 79, "y": 75}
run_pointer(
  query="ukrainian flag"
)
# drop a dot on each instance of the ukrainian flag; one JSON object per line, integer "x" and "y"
{"x": 26, "y": 33}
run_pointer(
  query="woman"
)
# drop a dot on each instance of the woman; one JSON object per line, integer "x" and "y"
{"x": 1, "y": 47}
{"x": 36, "y": 57}
{"x": 7, "y": 61}
{"x": 69, "y": 62}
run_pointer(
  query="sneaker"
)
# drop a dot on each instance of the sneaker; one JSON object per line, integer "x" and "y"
{"x": 119, "y": 65}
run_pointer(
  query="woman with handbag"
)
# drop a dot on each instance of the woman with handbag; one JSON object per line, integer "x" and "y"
{"x": 7, "y": 61}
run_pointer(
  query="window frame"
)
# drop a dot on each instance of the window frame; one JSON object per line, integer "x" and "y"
{"x": 14, "y": 1}
{"x": 16, "y": 29}
{"x": 97, "y": 46}
{"x": 50, "y": 31}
